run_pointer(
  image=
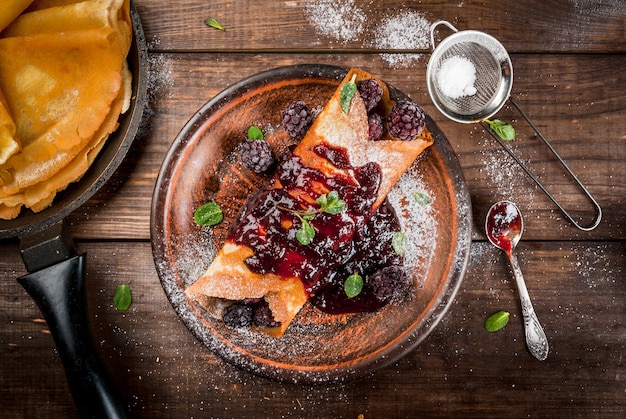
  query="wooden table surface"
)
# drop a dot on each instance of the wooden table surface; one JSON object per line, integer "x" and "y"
{"x": 569, "y": 58}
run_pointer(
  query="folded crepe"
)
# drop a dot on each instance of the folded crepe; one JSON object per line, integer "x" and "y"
{"x": 230, "y": 278}
{"x": 73, "y": 15}
{"x": 64, "y": 75}
{"x": 10, "y": 10}
{"x": 9, "y": 143}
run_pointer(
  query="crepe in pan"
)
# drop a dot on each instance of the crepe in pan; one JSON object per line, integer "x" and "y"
{"x": 65, "y": 79}
{"x": 10, "y": 10}
{"x": 9, "y": 143}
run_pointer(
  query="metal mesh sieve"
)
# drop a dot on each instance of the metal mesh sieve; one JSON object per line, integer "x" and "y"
{"x": 494, "y": 79}
{"x": 494, "y": 74}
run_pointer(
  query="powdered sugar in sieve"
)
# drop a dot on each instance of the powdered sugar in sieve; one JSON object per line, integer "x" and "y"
{"x": 469, "y": 75}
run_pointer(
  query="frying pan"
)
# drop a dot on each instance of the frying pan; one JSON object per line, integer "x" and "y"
{"x": 56, "y": 272}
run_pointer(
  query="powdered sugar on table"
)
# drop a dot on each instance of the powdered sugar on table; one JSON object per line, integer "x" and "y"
{"x": 406, "y": 31}
{"x": 342, "y": 20}
{"x": 401, "y": 30}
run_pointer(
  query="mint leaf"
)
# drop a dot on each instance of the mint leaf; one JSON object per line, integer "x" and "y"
{"x": 322, "y": 201}
{"x": 347, "y": 93}
{"x": 213, "y": 24}
{"x": 208, "y": 214}
{"x": 122, "y": 298}
{"x": 497, "y": 321}
{"x": 398, "y": 242}
{"x": 255, "y": 133}
{"x": 421, "y": 198}
{"x": 502, "y": 129}
{"x": 353, "y": 285}
{"x": 306, "y": 233}
{"x": 331, "y": 204}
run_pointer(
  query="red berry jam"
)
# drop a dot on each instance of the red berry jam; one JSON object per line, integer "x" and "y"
{"x": 344, "y": 243}
{"x": 373, "y": 251}
{"x": 503, "y": 225}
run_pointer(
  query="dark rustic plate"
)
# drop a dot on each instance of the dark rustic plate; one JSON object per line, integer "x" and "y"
{"x": 203, "y": 165}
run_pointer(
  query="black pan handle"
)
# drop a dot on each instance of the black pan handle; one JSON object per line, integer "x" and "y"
{"x": 59, "y": 292}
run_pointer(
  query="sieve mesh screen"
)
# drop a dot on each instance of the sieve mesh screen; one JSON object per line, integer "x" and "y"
{"x": 480, "y": 97}
{"x": 488, "y": 78}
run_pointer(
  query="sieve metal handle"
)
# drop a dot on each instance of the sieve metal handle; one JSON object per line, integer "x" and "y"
{"x": 561, "y": 161}
{"x": 434, "y": 25}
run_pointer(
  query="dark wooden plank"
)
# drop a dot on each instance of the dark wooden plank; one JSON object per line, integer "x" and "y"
{"x": 522, "y": 26}
{"x": 460, "y": 370}
{"x": 576, "y": 100}
{"x": 568, "y": 58}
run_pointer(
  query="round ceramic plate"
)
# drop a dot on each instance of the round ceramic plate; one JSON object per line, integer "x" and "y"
{"x": 202, "y": 165}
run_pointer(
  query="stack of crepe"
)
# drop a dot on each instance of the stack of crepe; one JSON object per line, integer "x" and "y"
{"x": 63, "y": 84}
{"x": 229, "y": 278}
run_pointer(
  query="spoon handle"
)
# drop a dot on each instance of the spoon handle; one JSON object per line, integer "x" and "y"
{"x": 535, "y": 337}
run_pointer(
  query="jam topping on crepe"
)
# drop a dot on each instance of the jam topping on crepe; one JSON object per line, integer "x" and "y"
{"x": 267, "y": 269}
{"x": 267, "y": 223}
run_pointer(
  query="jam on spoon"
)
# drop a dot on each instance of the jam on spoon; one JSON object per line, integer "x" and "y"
{"x": 504, "y": 227}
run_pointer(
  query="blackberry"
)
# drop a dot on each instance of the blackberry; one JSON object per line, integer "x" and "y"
{"x": 237, "y": 315}
{"x": 405, "y": 121}
{"x": 370, "y": 92}
{"x": 388, "y": 282}
{"x": 376, "y": 127}
{"x": 257, "y": 155}
{"x": 297, "y": 119}
{"x": 262, "y": 315}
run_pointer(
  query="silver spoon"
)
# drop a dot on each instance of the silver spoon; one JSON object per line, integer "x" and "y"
{"x": 504, "y": 227}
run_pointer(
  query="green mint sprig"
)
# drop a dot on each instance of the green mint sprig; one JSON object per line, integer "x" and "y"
{"x": 213, "y": 24}
{"x": 331, "y": 203}
{"x": 348, "y": 90}
{"x": 255, "y": 133}
{"x": 306, "y": 232}
{"x": 502, "y": 129}
{"x": 497, "y": 321}
{"x": 208, "y": 214}
{"x": 122, "y": 298}
{"x": 353, "y": 285}
{"x": 421, "y": 198}
{"x": 328, "y": 203}
{"x": 398, "y": 242}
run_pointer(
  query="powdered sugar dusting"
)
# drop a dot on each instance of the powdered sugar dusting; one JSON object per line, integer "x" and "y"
{"x": 342, "y": 20}
{"x": 408, "y": 30}
{"x": 160, "y": 80}
{"x": 160, "y": 85}
{"x": 402, "y": 30}
{"x": 456, "y": 77}
{"x": 417, "y": 219}
{"x": 193, "y": 256}
{"x": 595, "y": 263}
{"x": 504, "y": 175}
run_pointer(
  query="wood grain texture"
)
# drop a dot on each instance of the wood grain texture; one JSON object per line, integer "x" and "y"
{"x": 290, "y": 26}
{"x": 459, "y": 370}
{"x": 568, "y": 58}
